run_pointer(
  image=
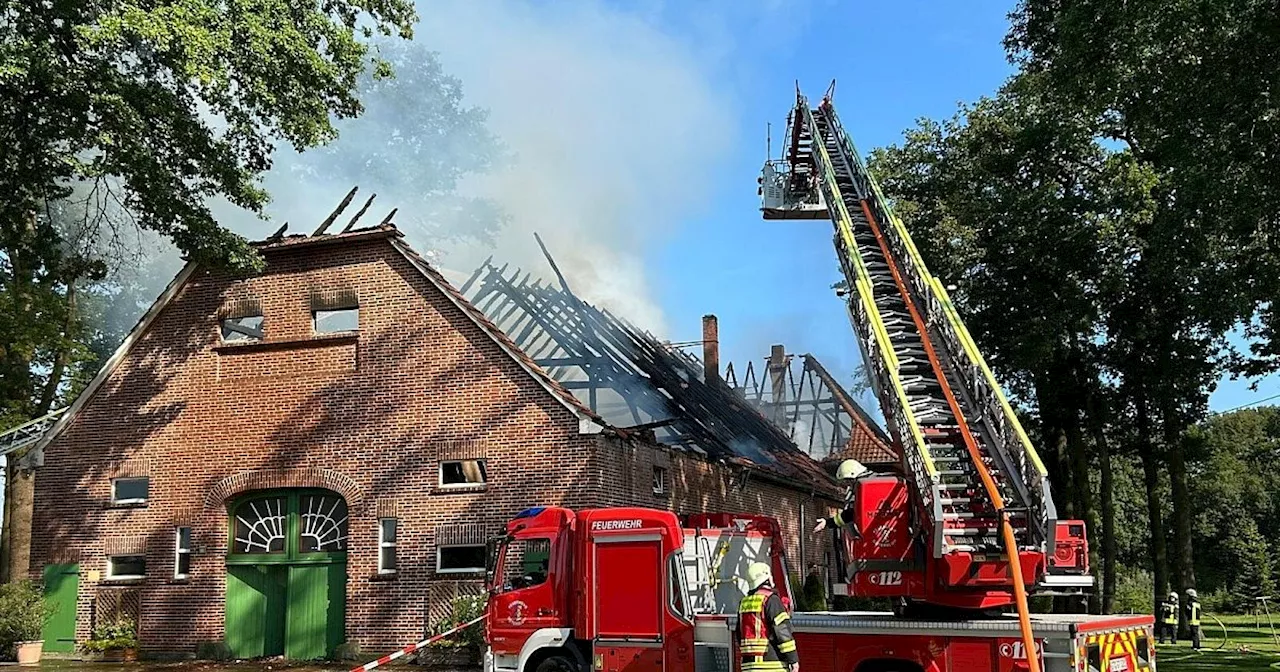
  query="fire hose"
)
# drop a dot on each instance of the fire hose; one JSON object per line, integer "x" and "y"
{"x": 414, "y": 647}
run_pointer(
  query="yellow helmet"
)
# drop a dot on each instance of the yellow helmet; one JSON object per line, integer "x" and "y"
{"x": 758, "y": 574}
{"x": 851, "y": 469}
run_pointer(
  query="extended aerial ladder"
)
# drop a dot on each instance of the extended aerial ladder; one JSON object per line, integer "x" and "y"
{"x": 979, "y": 487}
{"x": 28, "y": 433}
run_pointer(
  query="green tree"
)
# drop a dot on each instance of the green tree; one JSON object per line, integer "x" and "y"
{"x": 122, "y": 114}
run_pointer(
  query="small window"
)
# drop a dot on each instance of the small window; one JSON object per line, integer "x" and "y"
{"x": 248, "y": 328}
{"x": 336, "y": 321}
{"x": 460, "y": 559}
{"x": 461, "y": 473}
{"x": 387, "y": 546}
{"x": 130, "y": 490}
{"x": 126, "y": 567}
{"x": 182, "y": 553}
{"x": 659, "y": 480}
{"x": 527, "y": 563}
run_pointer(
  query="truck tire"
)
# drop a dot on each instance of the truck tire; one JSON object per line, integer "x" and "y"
{"x": 556, "y": 664}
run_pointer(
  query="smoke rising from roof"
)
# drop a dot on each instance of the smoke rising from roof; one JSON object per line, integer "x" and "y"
{"x": 613, "y": 126}
{"x": 608, "y": 128}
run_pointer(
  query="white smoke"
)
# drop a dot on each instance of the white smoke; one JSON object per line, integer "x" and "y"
{"x": 615, "y": 127}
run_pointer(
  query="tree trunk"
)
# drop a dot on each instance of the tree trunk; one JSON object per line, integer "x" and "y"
{"x": 4, "y": 527}
{"x": 1106, "y": 493}
{"x": 1183, "y": 556}
{"x": 1155, "y": 508}
{"x": 63, "y": 355}
{"x": 22, "y": 493}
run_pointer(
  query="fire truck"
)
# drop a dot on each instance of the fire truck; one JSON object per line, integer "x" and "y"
{"x": 642, "y": 590}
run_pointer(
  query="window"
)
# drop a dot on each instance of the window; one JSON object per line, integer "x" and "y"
{"x": 182, "y": 553}
{"x": 387, "y": 545}
{"x": 126, "y": 567}
{"x": 462, "y": 473}
{"x": 130, "y": 490}
{"x": 460, "y": 559}
{"x": 261, "y": 525}
{"x": 677, "y": 588}
{"x": 247, "y": 328}
{"x": 527, "y": 563}
{"x": 336, "y": 321}
{"x": 323, "y": 524}
{"x": 659, "y": 480}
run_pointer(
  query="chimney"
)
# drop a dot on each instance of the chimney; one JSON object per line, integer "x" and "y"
{"x": 777, "y": 373}
{"x": 710, "y": 348}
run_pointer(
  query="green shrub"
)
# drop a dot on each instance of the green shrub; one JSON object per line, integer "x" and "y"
{"x": 461, "y": 610}
{"x": 23, "y": 613}
{"x": 348, "y": 651}
{"x": 120, "y": 634}
{"x": 214, "y": 650}
{"x": 813, "y": 597}
{"x": 1133, "y": 591}
{"x": 1223, "y": 601}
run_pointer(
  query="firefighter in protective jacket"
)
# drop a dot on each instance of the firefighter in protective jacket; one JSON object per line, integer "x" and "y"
{"x": 765, "y": 642}
{"x": 848, "y": 472}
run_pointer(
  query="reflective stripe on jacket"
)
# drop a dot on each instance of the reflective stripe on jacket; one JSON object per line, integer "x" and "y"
{"x": 843, "y": 518}
{"x": 765, "y": 641}
{"x": 1170, "y": 613}
{"x": 1193, "y": 613}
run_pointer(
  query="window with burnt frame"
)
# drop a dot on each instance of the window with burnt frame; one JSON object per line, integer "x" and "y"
{"x": 659, "y": 480}
{"x": 132, "y": 567}
{"x": 335, "y": 311}
{"x": 462, "y": 473}
{"x": 460, "y": 559}
{"x": 242, "y": 329}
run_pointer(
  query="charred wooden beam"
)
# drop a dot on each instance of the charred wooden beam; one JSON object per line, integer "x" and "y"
{"x": 328, "y": 221}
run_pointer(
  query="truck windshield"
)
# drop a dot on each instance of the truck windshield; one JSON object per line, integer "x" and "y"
{"x": 522, "y": 563}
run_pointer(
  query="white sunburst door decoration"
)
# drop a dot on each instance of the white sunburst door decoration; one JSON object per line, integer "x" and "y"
{"x": 262, "y": 525}
{"x": 322, "y": 524}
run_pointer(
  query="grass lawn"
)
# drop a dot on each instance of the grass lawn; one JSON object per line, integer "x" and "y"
{"x": 1240, "y": 631}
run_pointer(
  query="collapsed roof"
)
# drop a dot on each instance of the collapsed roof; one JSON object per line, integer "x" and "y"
{"x": 632, "y": 379}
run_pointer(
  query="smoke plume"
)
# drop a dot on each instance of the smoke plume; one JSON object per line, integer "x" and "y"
{"x": 609, "y": 130}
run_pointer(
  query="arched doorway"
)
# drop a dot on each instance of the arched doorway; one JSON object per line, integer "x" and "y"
{"x": 286, "y": 574}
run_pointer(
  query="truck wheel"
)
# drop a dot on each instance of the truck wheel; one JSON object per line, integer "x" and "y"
{"x": 556, "y": 664}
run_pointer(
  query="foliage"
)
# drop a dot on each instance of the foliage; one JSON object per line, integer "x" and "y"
{"x": 813, "y": 596}
{"x": 23, "y": 613}
{"x": 118, "y": 634}
{"x": 1133, "y": 591}
{"x": 214, "y": 650}
{"x": 348, "y": 651}
{"x": 462, "y": 609}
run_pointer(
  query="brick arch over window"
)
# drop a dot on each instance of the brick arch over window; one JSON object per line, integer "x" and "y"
{"x": 274, "y": 479}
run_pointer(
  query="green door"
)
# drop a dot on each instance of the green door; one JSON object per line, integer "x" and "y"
{"x": 315, "y": 615}
{"x": 256, "y": 609}
{"x": 61, "y": 588}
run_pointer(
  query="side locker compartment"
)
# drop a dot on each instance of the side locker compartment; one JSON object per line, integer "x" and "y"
{"x": 627, "y": 602}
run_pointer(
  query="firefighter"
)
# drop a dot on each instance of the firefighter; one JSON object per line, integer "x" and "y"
{"x": 764, "y": 626}
{"x": 1193, "y": 617}
{"x": 849, "y": 471}
{"x": 1169, "y": 619}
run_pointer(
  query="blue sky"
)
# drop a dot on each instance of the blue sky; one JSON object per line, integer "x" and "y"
{"x": 768, "y": 282}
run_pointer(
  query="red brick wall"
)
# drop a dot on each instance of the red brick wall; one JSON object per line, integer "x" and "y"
{"x": 364, "y": 416}
{"x": 373, "y": 412}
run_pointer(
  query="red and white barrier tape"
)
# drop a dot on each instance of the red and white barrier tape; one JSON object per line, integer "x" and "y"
{"x": 414, "y": 647}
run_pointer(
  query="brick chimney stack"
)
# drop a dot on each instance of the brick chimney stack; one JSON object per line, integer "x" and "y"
{"x": 710, "y": 348}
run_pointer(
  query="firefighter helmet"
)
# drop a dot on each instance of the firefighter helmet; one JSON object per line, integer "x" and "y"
{"x": 1191, "y": 592}
{"x": 851, "y": 469}
{"x": 1173, "y": 596}
{"x": 758, "y": 574}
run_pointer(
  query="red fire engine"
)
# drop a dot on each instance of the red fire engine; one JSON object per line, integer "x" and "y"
{"x": 631, "y": 590}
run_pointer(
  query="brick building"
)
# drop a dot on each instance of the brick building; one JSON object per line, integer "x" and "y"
{"x": 315, "y": 454}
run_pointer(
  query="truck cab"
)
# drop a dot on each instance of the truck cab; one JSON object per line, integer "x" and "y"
{"x": 621, "y": 589}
